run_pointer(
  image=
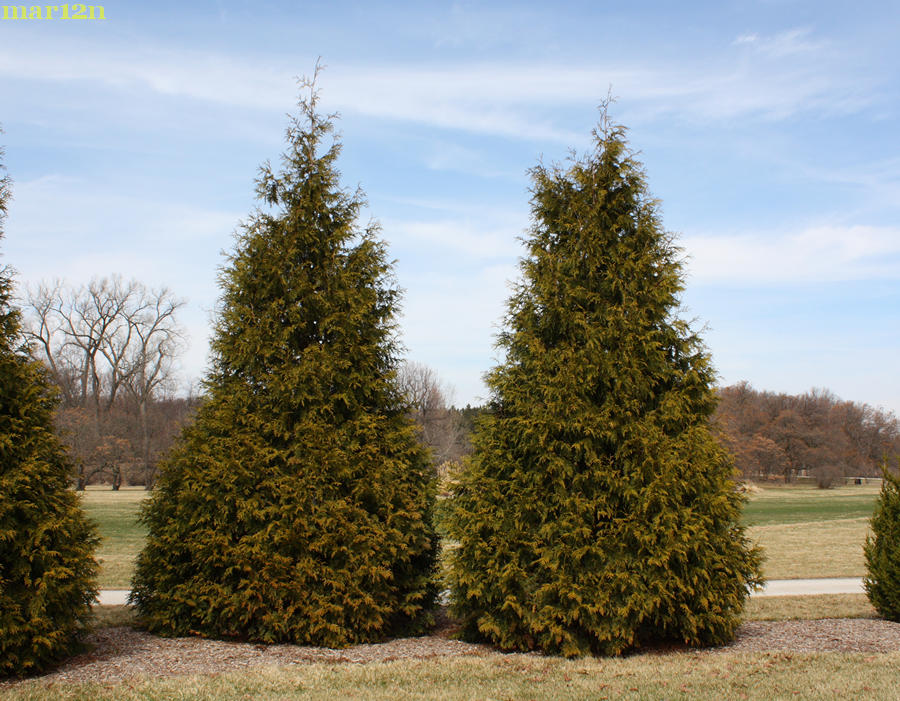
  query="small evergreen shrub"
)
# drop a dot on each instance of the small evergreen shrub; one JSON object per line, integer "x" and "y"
{"x": 47, "y": 568}
{"x": 297, "y": 507}
{"x": 597, "y": 512}
{"x": 882, "y": 550}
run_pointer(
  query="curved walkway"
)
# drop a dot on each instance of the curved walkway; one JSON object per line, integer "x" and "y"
{"x": 113, "y": 597}
{"x": 805, "y": 587}
{"x": 776, "y": 587}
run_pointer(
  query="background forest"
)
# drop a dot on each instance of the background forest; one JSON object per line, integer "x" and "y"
{"x": 113, "y": 348}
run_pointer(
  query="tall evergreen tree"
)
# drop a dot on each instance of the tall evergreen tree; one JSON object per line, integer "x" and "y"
{"x": 47, "y": 568}
{"x": 882, "y": 549}
{"x": 597, "y": 512}
{"x": 297, "y": 506}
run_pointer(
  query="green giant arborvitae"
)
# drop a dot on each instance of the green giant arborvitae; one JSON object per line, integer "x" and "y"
{"x": 598, "y": 513}
{"x": 882, "y": 549}
{"x": 297, "y": 506}
{"x": 47, "y": 566}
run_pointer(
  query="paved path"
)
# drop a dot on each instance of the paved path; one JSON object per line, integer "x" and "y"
{"x": 798, "y": 587}
{"x": 776, "y": 587}
{"x": 113, "y": 597}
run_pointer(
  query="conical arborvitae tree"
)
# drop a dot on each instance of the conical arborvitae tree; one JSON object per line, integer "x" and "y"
{"x": 882, "y": 550}
{"x": 47, "y": 566}
{"x": 297, "y": 506}
{"x": 597, "y": 512}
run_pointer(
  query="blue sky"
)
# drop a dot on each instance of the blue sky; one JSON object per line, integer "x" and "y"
{"x": 768, "y": 130}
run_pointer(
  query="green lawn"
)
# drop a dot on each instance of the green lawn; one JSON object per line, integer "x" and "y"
{"x": 800, "y": 504}
{"x": 122, "y": 536}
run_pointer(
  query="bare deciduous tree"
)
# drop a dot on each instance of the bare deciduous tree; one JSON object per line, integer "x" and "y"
{"x": 106, "y": 343}
{"x": 45, "y": 331}
{"x": 157, "y": 341}
{"x": 440, "y": 424}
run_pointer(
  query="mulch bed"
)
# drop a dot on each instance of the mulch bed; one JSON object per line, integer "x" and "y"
{"x": 121, "y": 653}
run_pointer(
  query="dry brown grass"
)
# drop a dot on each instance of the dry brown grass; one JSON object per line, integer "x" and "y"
{"x": 803, "y": 530}
{"x": 684, "y": 675}
{"x": 813, "y": 549}
{"x": 767, "y": 608}
{"x": 794, "y": 608}
{"x": 109, "y": 616}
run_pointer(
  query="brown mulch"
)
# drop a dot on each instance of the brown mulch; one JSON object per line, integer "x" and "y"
{"x": 825, "y": 635}
{"x": 120, "y": 653}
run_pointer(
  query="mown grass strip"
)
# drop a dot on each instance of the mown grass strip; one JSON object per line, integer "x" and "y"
{"x": 804, "y": 504}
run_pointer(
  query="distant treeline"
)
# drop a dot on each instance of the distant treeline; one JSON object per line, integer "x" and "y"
{"x": 111, "y": 348}
{"x": 815, "y": 435}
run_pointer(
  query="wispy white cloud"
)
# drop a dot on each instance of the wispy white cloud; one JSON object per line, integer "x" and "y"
{"x": 777, "y": 81}
{"x": 179, "y": 72}
{"x": 472, "y": 239}
{"x": 81, "y": 212}
{"x": 446, "y": 156}
{"x": 775, "y": 77}
{"x": 877, "y": 181}
{"x": 815, "y": 254}
{"x": 782, "y": 44}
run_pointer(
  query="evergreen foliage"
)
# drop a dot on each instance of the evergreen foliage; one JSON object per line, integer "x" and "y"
{"x": 298, "y": 505}
{"x": 882, "y": 550}
{"x": 597, "y": 512}
{"x": 47, "y": 568}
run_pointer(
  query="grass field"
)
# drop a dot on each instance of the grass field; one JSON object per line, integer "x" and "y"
{"x": 768, "y": 608}
{"x": 806, "y": 532}
{"x": 801, "y": 608}
{"x": 122, "y": 536}
{"x": 813, "y": 549}
{"x": 679, "y": 675}
{"x": 802, "y": 504}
